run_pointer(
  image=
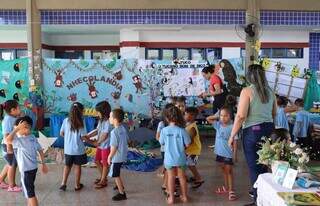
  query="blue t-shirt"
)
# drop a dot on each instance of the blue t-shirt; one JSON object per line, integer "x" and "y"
{"x": 119, "y": 139}
{"x": 7, "y": 125}
{"x": 160, "y": 127}
{"x": 73, "y": 145}
{"x": 301, "y": 125}
{"x": 175, "y": 139}
{"x": 281, "y": 120}
{"x": 26, "y": 152}
{"x": 104, "y": 127}
{"x": 223, "y": 133}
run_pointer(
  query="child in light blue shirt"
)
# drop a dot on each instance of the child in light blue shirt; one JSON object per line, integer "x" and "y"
{"x": 301, "y": 125}
{"x": 119, "y": 148}
{"x": 175, "y": 139}
{"x": 27, "y": 146}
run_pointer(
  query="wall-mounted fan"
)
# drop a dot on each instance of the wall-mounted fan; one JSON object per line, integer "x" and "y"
{"x": 252, "y": 30}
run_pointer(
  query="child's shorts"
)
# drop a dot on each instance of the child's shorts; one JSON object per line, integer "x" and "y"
{"x": 27, "y": 181}
{"x": 115, "y": 169}
{"x": 75, "y": 159}
{"x": 224, "y": 160}
{"x": 184, "y": 167}
{"x": 10, "y": 158}
{"x": 162, "y": 156}
{"x": 102, "y": 156}
{"x": 192, "y": 160}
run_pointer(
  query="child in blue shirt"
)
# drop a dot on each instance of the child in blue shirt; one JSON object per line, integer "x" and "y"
{"x": 175, "y": 140}
{"x": 103, "y": 143}
{"x": 27, "y": 146}
{"x": 73, "y": 131}
{"x": 12, "y": 109}
{"x": 119, "y": 149}
{"x": 281, "y": 120}
{"x": 223, "y": 126}
{"x": 301, "y": 125}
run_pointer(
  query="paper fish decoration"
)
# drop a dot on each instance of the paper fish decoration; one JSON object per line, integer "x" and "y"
{"x": 266, "y": 63}
{"x": 295, "y": 72}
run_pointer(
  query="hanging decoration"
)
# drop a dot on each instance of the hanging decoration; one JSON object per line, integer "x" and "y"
{"x": 295, "y": 72}
{"x": 279, "y": 67}
{"x": 265, "y": 63}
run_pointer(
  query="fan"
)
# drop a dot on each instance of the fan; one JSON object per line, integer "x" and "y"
{"x": 252, "y": 30}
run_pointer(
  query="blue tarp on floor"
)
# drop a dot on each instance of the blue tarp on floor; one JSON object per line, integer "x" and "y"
{"x": 142, "y": 163}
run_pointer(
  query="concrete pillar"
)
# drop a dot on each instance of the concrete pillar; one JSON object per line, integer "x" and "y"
{"x": 34, "y": 42}
{"x": 130, "y": 47}
{"x": 252, "y": 16}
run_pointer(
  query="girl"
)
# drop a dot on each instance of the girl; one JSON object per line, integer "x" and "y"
{"x": 73, "y": 129}
{"x": 223, "y": 126}
{"x": 12, "y": 109}
{"x": 281, "y": 120}
{"x": 175, "y": 140}
{"x": 103, "y": 143}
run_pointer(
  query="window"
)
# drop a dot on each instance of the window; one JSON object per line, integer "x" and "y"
{"x": 283, "y": 53}
{"x": 7, "y": 54}
{"x": 279, "y": 53}
{"x": 168, "y": 54}
{"x": 104, "y": 54}
{"x": 71, "y": 54}
{"x": 153, "y": 54}
{"x": 198, "y": 54}
{"x": 183, "y": 54}
{"x": 22, "y": 53}
{"x": 214, "y": 53}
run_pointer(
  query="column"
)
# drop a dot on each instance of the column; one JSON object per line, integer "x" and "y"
{"x": 130, "y": 44}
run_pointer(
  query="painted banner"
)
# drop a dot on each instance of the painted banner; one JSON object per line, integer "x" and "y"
{"x": 14, "y": 80}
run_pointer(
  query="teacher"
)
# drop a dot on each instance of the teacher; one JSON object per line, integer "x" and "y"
{"x": 256, "y": 112}
{"x": 215, "y": 88}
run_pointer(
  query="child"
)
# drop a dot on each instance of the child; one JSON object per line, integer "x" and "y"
{"x": 27, "y": 147}
{"x": 194, "y": 149}
{"x": 224, "y": 154}
{"x": 103, "y": 143}
{"x": 119, "y": 149}
{"x": 301, "y": 125}
{"x": 12, "y": 109}
{"x": 281, "y": 134}
{"x": 281, "y": 120}
{"x": 181, "y": 104}
{"x": 175, "y": 140}
{"x": 72, "y": 130}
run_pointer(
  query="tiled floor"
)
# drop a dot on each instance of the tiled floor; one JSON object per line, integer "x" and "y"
{"x": 141, "y": 188}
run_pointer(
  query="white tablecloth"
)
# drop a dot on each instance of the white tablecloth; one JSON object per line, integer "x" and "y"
{"x": 268, "y": 189}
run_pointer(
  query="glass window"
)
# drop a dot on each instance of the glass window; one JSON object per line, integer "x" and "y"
{"x": 167, "y": 54}
{"x": 7, "y": 54}
{"x": 279, "y": 53}
{"x": 265, "y": 53}
{"x": 214, "y": 53}
{"x": 153, "y": 54}
{"x": 294, "y": 53}
{"x": 22, "y": 53}
{"x": 198, "y": 54}
{"x": 183, "y": 54}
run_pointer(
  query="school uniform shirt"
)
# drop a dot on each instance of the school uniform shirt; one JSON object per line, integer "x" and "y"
{"x": 119, "y": 139}
{"x": 26, "y": 152}
{"x": 160, "y": 127}
{"x": 223, "y": 133}
{"x": 7, "y": 125}
{"x": 303, "y": 119}
{"x": 104, "y": 127}
{"x": 73, "y": 145}
{"x": 281, "y": 120}
{"x": 195, "y": 147}
{"x": 175, "y": 140}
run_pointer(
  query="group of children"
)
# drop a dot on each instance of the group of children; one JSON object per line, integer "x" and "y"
{"x": 177, "y": 133}
{"x": 20, "y": 148}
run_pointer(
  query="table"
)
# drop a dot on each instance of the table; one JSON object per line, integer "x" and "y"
{"x": 268, "y": 189}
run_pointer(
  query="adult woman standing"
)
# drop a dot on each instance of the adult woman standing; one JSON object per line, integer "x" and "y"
{"x": 215, "y": 89}
{"x": 256, "y": 112}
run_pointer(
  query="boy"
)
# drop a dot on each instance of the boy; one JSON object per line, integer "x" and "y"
{"x": 194, "y": 149}
{"x": 27, "y": 147}
{"x": 119, "y": 149}
{"x": 301, "y": 126}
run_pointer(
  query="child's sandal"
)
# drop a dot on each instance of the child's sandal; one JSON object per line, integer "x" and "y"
{"x": 96, "y": 181}
{"x": 101, "y": 185}
{"x": 79, "y": 188}
{"x": 221, "y": 190}
{"x": 232, "y": 196}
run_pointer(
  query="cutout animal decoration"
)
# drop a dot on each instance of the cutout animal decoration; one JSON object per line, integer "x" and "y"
{"x": 116, "y": 95}
{"x": 3, "y": 93}
{"x": 16, "y": 97}
{"x": 59, "y": 78}
{"x": 118, "y": 75}
{"x": 72, "y": 97}
{"x": 295, "y": 72}
{"x": 138, "y": 84}
{"x": 93, "y": 93}
{"x": 16, "y": 67}
{"x": 230, "y": 77}
{"x": 19, "y": 84}
{"x": 279, "y": 67}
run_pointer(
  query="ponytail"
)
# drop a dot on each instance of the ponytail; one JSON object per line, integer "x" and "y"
{"x": 76, "y": 116}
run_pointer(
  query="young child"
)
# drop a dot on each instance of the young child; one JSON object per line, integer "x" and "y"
{"x": 281, "y": 120}
{"x": 223, "y": 126}
{"x": 194, "y": 149}
{"x": 301, "y": 125}
{"x": 175, "y": 140}
{"x": 103, "y": 143}
{"x": 181, "y": 104}
{"x": 72, "y": 130}
{"x": 27, "y": 147}
{"x": 119, "y": 148}
{"x": 280, "y": 134}
{"x": 12, "y": 109}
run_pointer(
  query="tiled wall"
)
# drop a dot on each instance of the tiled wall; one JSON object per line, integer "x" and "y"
{"x": 16, "y": 17}
{"x": 314, "y": 51}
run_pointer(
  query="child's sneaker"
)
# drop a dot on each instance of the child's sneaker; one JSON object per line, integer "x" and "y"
{"x": 119, "y": 197}
{"x": 4, "y": 185}
{"x": 14, "y": 189}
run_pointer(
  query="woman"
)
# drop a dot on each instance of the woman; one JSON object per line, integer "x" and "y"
{"x": 215, "y": 88}
{"x": 256, "y": 112}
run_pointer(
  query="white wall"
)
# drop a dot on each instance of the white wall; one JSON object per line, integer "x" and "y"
{"x": 13, "y": 36}
{"x": 231, "y": 52}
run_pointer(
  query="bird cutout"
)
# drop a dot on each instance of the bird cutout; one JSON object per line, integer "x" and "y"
{"x": 116, "y": 95}
{"x": 72, "y": 97}
{"x": 16, "y": 97}
{"x": 266, "y": 63}
{"x": 279, "y": 67}
{"x": 58, "y": 82}
{"x": 138, "y": 84}
{"x": 230, "y": 77}
{"x": 19, "y": 84}
{"x": 295, "y": 72}
{"x": 93, "y": 93}
{"x": 176, "y": 61}
{"x": 3, "y": 93}
{"x": 118, "y": 75}
{"x": 45, "y": 142}
{"x": 153, "y": 65}
{"x": 84, "y": 63}
{"x": 307, "y": 73}
{"x": 129, "y": 97}
{"x": 111, "y": 64}
{"x": 190, "y": 81}
{"x": 27, "y": 104}
{"x": 16, "y": 67}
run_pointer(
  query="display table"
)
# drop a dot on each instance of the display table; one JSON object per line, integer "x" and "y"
{"x": 268, "y": 189}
